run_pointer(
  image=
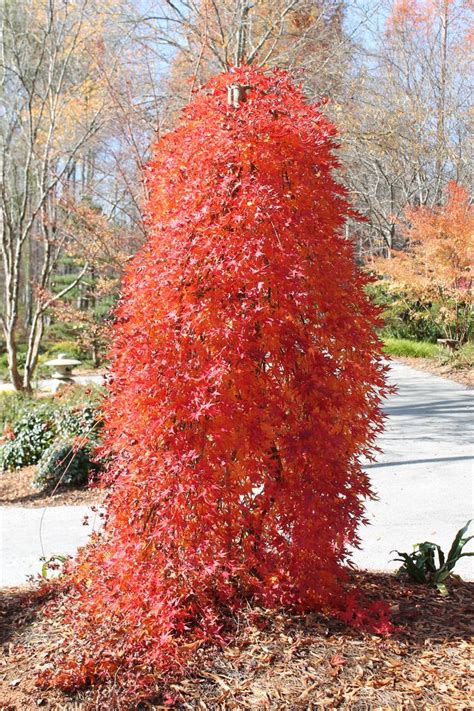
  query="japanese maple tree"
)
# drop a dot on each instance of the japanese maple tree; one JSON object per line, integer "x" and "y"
{"x": 436, "y": 264}
{"x": 246, "y": 387}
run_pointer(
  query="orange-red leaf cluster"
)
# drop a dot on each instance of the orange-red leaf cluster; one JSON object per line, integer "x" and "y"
{"x": 436, "y": 263}
{"x": 246, "y": 386}
{"x": 441, "y": 249}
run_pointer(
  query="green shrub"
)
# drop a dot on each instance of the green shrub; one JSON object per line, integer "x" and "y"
{"x": 12, "y": 406}
{"x": 402, "y": 347}
{"x": 66, "y": 463}
{"x": 26, "y": 441}
{"x": 21, "y": 359}
{"x": 3, "y": 366}
{"x": 78, "y": 420}
{"x": 405, "y": 317}
{"x": 39, "y": 425}
{"x": 71, "y": 348}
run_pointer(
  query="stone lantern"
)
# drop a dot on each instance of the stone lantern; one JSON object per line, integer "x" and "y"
{"x": 62, "y": 369}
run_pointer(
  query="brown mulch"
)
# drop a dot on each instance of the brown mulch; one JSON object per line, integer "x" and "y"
{"x": 282, "y": 661}
{"x": 16, "y": 489}
{"x": 465, "y": 376}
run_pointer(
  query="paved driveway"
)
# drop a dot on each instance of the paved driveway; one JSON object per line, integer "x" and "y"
{"x": 424, "y": 476}
{"x": 424, "y": 479}
{"x": 27, "y": 534}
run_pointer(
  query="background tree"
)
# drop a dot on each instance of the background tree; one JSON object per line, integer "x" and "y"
{"x": 57, "y": 141}
{"x": 198, "y": 38}
{"x": 52, "y": 109}
{"x": 85, "y": 311}
{"x": 396, "y": 75}
{"x": 436, "y": 265}
{"x": 406, "y": 127}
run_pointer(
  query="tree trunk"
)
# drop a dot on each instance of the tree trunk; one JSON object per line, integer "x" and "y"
{"x": 34, "y": 342}
{"x": 12, "y": 355}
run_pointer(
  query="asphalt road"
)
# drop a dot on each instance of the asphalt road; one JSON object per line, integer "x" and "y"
{"x": 423, "y": 478}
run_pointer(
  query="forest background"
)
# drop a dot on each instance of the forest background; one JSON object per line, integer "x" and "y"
{"x": 88, "y": 87}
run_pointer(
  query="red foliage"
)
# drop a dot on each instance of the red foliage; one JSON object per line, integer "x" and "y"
{"x": 374, "y": 617}
{"x": 246, "y": 385}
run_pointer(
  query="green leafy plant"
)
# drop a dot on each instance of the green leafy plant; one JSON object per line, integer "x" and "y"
{"x": 37, "y": 426}
{"x": 27, "y": 439}
{"x": 422, "y": 566}
{"x": 404, "y": 316}
{"x": 67, "y": 463}
{"x": 77, "y": 420}
{"x": 70, "y": 346}
{"x": 21, "y": 357}
{"x": 12, "y": 407}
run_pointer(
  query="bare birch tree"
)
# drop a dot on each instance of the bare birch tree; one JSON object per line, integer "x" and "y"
{"x": 198, "y": 38}
{"x": 406, "y": 129}
{"x": 51, "y": 109}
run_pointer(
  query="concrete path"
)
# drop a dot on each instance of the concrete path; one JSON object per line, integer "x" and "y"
{"x": 28, "y": 534}
{"x": 424, "y": 476}
{"x": 424, "y": 480}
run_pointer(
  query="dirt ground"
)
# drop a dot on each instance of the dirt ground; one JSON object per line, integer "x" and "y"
{"x": 280, "y": 661}
{"x": 16, "y": 489}
{"x": 465, "y": 376}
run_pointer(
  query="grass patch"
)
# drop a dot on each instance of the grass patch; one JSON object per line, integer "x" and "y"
{"x": 404, "y": 348}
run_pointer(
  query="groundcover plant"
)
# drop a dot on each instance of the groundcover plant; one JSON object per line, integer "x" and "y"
{"x": 246, "y": 384}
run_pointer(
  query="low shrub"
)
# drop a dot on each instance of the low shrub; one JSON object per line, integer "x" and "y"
{"x": 67, "y": 463}
{"x": 405, "y": 317}
{"x": 402, "y": 347}
{"x": 35, "y": 428}
{"x": 25, "y": 441}
{"x": 21, "y": 359}
{"x": 70, "y": 347}
{"x": 461, "y": 359}
{"x": 12, "y": 406}
{"x": 77, "y": 420}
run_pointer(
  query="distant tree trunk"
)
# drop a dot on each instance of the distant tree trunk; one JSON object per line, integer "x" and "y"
{"x": 37, "y": 153}
{"x": 441, "y": 108}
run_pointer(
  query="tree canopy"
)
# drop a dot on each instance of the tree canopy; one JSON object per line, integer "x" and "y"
{"x": 246, "y": 386}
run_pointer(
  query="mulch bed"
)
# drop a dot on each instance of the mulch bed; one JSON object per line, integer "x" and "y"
{"x": 282, "y": 661}
{"x": 16, "y": 489}
{"x": 465, "y": 376}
